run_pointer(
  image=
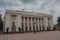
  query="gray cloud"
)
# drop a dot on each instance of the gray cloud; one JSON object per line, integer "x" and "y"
{"x": 27, "y": 1}
{"x": 46, "y": 3}
{"x": 46, "y": 6}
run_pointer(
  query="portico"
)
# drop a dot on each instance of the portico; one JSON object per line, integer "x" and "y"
{"x": 37, "y": 22}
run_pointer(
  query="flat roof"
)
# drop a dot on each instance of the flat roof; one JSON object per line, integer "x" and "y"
{"x": 26, "y": 13}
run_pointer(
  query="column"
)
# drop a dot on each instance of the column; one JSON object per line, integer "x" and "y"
{"x": 38, "y": 23}
{"x": 51, "y": 23}
{"x": 41, "y": 23}
{"x": 45, "y": 21}
{"x": 24, "y": 23}
{"x": 35, "y": 23}
{"x": 28, "y": 23}
{"x": 31, "y": 24}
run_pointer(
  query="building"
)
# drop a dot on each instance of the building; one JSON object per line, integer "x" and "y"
{"x": 26, "y": 21}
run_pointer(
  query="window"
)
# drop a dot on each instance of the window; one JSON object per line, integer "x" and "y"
{"x": 25, "y": 18}
{"x": 25, "y": 24}
{"x": 30, "y": 28}
{"x": 22, "y": 18}
{"x": 33, "y": 28}
{"x": 33, "y": 19}
{"x": 13, "y": 23}
{"x": 42, "y": 19}
{"x": 40, "y": 28}
{"x": 29, "y": 24}
{"x": 39, "y": 19}
{"x": 26, "y": 28}
{"x": 36, "y": 19}
{"x": 37, "y": 28}
{"x": 48, "y": 18}
{"x": 13, "y": 17}
{"x": 43, "y": 28}
{"x": 22, "y": 24}
{"x": 29, "y": 18}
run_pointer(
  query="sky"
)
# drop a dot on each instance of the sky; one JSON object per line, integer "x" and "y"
{"x": 51, "y": 7}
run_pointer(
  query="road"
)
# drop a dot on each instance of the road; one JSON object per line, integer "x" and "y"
{"x": 52, "y": 35}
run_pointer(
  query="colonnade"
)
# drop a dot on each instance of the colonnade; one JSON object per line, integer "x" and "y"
{"x": 34, "y": 24}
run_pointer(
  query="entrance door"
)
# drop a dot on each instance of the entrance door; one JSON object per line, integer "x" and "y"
{"x": 13, "y": 28}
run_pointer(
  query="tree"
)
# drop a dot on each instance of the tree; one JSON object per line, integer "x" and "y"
{"x": 1, "y": 23}
{"x": 58, "y": 23}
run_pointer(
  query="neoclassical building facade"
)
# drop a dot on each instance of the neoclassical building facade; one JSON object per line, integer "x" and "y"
{"x": 16, "y": 21}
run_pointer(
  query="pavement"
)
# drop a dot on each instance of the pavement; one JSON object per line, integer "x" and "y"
{"x": 51, "y": 35}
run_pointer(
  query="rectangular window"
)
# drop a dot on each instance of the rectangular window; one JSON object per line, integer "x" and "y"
{"x": 33, "y": 19}
{"x": 13, "y": 17}
{"x": 29, "y": 18}
{"x": 25, "y": 18}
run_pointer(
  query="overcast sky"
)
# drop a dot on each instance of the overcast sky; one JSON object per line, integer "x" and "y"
{"x": 51, "y": 7}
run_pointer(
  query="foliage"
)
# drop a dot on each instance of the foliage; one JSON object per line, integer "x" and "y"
{"x": 1, "y": 23}
{"x": 58, "y": 19}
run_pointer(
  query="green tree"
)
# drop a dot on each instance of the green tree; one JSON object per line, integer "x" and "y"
{"x": 1, "y": 23}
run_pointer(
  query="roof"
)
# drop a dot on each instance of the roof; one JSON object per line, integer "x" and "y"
{"x": 28, "y": 13}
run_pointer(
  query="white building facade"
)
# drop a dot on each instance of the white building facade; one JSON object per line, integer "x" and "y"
{"x": 26, "y": 21}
